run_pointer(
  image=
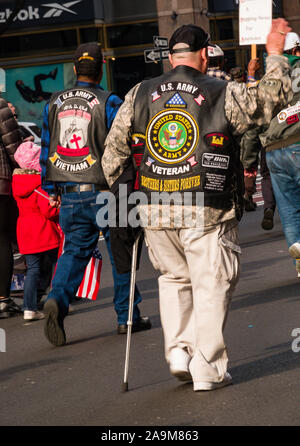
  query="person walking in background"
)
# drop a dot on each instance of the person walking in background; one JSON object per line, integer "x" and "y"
{"x": 198, "y": 260}
{"x": 37, "y": 227}
{"x": 76, "y": 122}
{"x": 251, "y": 148}
{"x": 10, "y": 139}
{"x": 216, "y": 63}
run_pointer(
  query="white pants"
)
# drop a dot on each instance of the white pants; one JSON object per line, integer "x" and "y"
{"x": 199, "y": 273}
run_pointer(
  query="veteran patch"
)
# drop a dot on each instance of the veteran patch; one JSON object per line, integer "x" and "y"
{"x": 172, "y": 136}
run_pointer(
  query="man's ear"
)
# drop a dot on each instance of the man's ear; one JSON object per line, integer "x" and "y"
{"x": 204, "y": 54}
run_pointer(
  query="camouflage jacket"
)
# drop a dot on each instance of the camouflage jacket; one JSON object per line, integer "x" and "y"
{"x": 246, "y": 106}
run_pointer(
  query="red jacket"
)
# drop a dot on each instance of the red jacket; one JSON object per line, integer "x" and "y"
{"x": 37, "y": 226}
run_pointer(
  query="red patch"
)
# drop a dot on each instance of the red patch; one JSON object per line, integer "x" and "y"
{"x": 292, "y": 119}
{"x": 217, "y": 139}
{"x": 66, "y": 151}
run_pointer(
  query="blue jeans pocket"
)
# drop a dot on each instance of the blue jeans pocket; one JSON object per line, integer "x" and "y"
{"x": 66, "y": 216}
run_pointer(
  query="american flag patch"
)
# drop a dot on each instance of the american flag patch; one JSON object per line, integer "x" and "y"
{"x": 199, "y": 99}
{"x": 155, "y": 96}
{"x": 58, "y": 102}
{"x": 150, "y": 161}
{"x": 176, "y": 101}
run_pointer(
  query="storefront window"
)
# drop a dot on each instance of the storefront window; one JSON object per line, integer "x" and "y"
{"x": 91, "y": 35}
{"x": 131, "y": 34}
{"x": 30, "y": 44}
{"x": 222, "y": 29}
{"x": 128, "y": 71}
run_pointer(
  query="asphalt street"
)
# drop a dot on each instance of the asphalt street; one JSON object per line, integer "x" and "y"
{"x": 80, "y": 384}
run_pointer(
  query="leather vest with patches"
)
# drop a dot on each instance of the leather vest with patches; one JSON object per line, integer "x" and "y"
{"x": 181, "y": 138}
{"x": 77, "y": 126}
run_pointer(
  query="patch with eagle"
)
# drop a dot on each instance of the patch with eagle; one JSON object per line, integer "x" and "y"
{"x": 172, "y": 136}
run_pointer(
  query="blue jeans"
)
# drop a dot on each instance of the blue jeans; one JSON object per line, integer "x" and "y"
{"x": 284, "y": 166}
{"x": 33, "y": 276}
{"x": 77, "y": 219}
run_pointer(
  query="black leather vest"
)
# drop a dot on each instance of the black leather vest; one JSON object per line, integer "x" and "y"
{"x": 182, "y": 138}
{"x": 77, "y": 126}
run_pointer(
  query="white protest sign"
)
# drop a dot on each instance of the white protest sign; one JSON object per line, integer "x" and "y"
{"x": 255, "y": 19}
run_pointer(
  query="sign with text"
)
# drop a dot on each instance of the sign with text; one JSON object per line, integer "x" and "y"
{"x": 36, "y": 13}
{"x": 255, "y": 19}
{"x": 160, "y": 42}
{"x": 155, "y": 55}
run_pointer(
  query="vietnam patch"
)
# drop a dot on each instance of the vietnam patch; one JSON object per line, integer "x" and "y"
{"x": 172, "y": 136}
{"x": 76, "y": 167}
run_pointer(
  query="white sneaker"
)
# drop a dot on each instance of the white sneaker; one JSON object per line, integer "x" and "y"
{"x": 179, "y": 364}
{"x": 33, "y": 315}
{"x": 199, "y": 385}
{"x": 294, "y": 251}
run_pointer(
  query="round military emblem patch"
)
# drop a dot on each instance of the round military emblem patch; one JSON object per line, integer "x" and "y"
{"x": 172, "y": 136}
{"x": 282, "y": 116}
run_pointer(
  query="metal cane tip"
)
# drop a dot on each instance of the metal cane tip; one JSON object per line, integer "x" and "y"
{"x": 125, "y": 387}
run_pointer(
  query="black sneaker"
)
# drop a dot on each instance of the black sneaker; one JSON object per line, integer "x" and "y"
{"x": 9, "y": 308}
{"x": 143, "y": 323}
{"x": 54, "y": 325}
{"x": 267, "y": 222}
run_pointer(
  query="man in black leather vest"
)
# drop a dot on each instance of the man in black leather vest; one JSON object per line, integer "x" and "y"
{"x": 76, "y": 123}
{"x": 184, "y": 125}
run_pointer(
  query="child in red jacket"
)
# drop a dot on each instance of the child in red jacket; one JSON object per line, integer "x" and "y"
{"x": 37, "y": 229}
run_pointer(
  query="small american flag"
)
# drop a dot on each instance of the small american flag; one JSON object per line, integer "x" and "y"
{"x": 90, "y": 283}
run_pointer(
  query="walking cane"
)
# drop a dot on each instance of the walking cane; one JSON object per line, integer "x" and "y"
{"x": 130, "y": 310}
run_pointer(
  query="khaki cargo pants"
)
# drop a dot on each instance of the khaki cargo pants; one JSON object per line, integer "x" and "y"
{"x": 199, "y": 273}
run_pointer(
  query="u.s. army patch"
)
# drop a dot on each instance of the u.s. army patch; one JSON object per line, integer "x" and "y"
{"x": 172, "y": 136}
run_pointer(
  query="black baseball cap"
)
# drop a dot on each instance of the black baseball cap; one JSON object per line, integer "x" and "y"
{"x": 194, "y": 36}
{"x": 89, "y": 53}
